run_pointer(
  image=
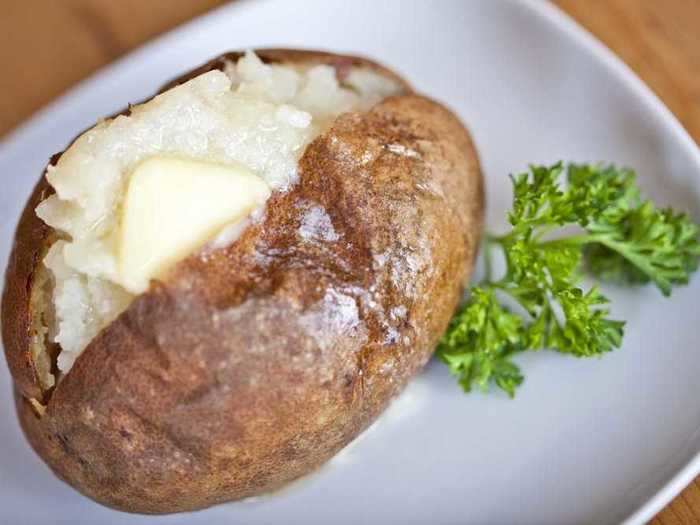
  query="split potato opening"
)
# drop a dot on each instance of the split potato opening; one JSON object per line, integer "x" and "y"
{"x": 178, "y": 175}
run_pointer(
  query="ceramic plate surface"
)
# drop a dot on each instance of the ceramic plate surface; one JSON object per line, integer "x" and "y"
{"x": 585, "y": 441}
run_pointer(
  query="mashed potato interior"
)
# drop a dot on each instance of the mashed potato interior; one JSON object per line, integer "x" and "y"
{"x": 251, "y": 114}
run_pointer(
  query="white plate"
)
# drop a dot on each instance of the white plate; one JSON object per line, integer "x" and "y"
{"x": 585, "y": 441}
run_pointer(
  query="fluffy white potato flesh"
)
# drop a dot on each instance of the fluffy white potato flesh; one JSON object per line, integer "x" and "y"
{"x": 174, "y": 206}
{"x": 119, "y": 206}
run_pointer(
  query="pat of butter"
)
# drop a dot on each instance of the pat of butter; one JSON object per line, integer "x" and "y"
{"x": 174, "y": 206}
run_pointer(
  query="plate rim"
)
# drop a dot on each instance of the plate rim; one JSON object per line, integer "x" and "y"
{"x": 677, "y": 482}
{"x": 545, "y": 10}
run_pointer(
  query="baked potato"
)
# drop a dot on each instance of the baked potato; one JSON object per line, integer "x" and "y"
{"x": 229, "y": 282}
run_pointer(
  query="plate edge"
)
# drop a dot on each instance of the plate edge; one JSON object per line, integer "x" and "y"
{"x": 677, "y": 482}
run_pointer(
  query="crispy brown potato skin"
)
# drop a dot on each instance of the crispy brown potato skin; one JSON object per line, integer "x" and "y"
{"x": 30, "y": 245}
{"x": 252, "y": 365}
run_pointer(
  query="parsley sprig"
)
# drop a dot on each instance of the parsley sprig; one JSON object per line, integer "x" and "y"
{"x": 539, "y": 301}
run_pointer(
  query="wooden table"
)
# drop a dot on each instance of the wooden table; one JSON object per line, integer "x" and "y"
{"x": 50, "y": 45}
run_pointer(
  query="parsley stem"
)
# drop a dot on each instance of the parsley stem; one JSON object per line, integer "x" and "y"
{"x": 488, "y": 241}
{"x": 574, "y": 240}
{"x": 621, "y": 248}
{"x": 544, "y": 230}
{"x": 488, "y": 261}
{"x": 490, "y": 238}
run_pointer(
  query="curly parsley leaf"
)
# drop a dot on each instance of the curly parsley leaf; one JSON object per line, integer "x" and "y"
{"x": 645, "y": 244}
{"x": 621, "y": 237}
{"x": 479, "y": 342}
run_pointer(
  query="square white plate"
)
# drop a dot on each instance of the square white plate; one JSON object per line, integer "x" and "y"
{"x": 585, "y": 441}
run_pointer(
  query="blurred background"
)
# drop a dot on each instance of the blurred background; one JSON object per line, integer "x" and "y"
{"x": 50, "y": 45}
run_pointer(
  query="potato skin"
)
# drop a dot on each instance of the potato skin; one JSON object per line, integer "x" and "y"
{"x": 30, "y": 245}
{"x": 252, "y": 365}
